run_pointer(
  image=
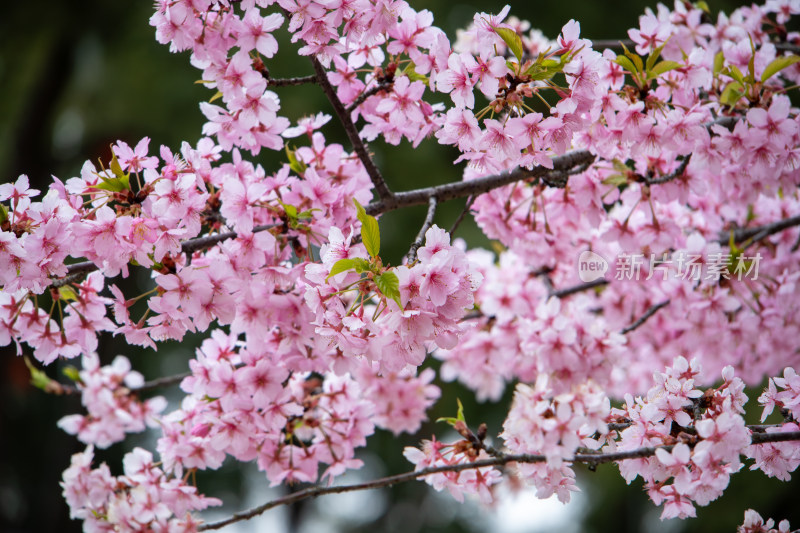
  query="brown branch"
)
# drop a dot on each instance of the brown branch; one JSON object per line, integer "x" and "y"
{"x": 381, "y": 86}
{"x": 642, "y": 319}
{"x": 500, "y": 460}
{"x": 412, "y": 252}
{"x": 450, "y": 191}
{"x": 568, "y": 291}
{"x": 677, "y": 173}
{"x": 461, "y": 215}
{"x": 751, "y": 236}
{"x": 288, "y": 82}
{"x": 350, "y": 129}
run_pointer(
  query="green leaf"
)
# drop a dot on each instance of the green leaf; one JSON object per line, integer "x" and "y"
{"x": 719, "y": 62}
{"x": 67, "y": 293}
{"x": 731, "y": 94}
{"x": 38, "y": 378}
{"x": 458, "y": 418}
{"x": 116, "y": 169}
{"x": 661, "y": 68}
{"x": 217, "y": 96}
{"x": 616, "y": 180}
{"x": 72, "y": 373}
{"x": 361, "y": 264}
{"x": 778, "y": 64}
{"x": 619, "y": 166}
{"x": 118, "y": 184}
{"x": 3, "y": 213}
{"x": 370, "y": 233}
{"x": 626, "y": 63}
{"x": 635, "y": 58}
{"x": 734, "y": 72}
{"x": 412, "y": 75}
{"x": 342, "y": 265}
{"x": 751, "y": 65}
{"x": 654, "y": 55}
{"x": 512, "y": 40}
{"x": 702, "y": 6}
{"x": 297, "y": 166}
{"x": 389, "y": 286}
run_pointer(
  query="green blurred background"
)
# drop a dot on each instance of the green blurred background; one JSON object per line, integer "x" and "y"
{"x": 74, "y": 78}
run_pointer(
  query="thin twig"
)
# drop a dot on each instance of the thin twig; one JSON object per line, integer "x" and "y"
{"x": 450, "y": 191}
{"x": 568, "y": 291}
{"x": 412, "y": 252}
{"x": 500, "y": 460}
{"x": 677, "y": 173}
{"x": 753, "y": 235}
{"x": 350, "y": 129}
{"x": 287, "y": 82}
{"x": 642, "y": 319}
{"x": 157, "y": 383}
{"x": 381, "y": 86}
{"x": 462, "y": 214}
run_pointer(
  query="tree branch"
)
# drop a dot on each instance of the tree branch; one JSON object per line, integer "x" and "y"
{"x": 287, "y": 82}
{"x": 412, "y": 252}
{"x": 461, "y": 215}
{"x": 501, "y": 460}
{"x": 381, "y": 86}
{"x": 568, "y": 291}
{"x": 642, "y": 319}
{"x": 449, "y": 191}
{"x": 753, "y": 235}
{"x": 677, "y": 173}
{"x": 350, "y": 129}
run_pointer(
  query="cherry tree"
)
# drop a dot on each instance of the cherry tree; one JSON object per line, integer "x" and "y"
{"x": 643, "y": 195}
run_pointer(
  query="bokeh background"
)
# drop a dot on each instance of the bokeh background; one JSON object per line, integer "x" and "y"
{"x": 74, "y": 78}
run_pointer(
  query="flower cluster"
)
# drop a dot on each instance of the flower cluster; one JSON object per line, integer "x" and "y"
{"x": 113, "y": 408}
{"x": 753, "y": 523}
{"x": 699, "y": 473}
{"x": 554, "y": 426}
{"x": 417, "y": 305}
{"x": 144, "y": 498}
{"x": 477, "y": 481}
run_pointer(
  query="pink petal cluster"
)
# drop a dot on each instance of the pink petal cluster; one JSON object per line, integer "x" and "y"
{"x": 541, "y": 423}
{"x": 143, "y": 498}
{"x": 477, "y": 481}
{"x": 113, "y": 407}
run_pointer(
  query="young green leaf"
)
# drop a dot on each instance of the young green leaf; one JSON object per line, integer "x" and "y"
{"x": 512, "y": 40}
{"x": 778, "y": 64}
{"x": 297, "y": 166}
{"x": 38, "y": 378}
{"x": 342, "y": 265}
{"x": 370, "y": 233}
{"x": 67, "y": 293}
{"x": 118, "y": 184}
{"x": 661, "y": 68}
{"x": 654, "y": 55}
{"x": 458, "y": 418}
{"x": 389, "y": 285}
{"x": 637, "y": 61}
{"x": 626, "y": 63}
{"x": 731, "y": 94}
{"x": 719, "y": 62}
